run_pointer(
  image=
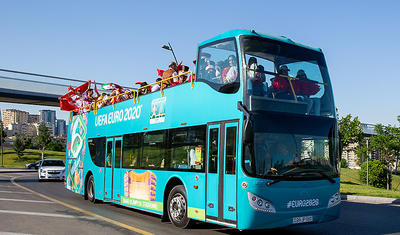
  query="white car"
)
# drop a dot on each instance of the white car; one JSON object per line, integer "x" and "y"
{"x": 51, "y": 169}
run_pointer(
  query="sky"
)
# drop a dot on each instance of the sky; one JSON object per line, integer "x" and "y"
{"x": 120, "y": 41}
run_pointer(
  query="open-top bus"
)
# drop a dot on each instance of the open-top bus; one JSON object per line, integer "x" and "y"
{"x": 249, "y": 147}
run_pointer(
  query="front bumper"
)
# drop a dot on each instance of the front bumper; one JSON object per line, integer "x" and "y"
{"x": 51, "y": 175}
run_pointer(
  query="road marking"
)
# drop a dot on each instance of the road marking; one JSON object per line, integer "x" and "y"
{"x": 9, "y": 233}
{"x": 16, "y": 192}
{"x": 131, "y": 228}
{"x": 20, "y": 200}
{"x": 46, "y": 214}
{"x": 7, "y": 186}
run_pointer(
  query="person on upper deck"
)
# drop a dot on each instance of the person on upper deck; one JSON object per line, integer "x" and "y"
{"x": 170, "y": 72}
{"x": 229, "y": 74}
{"x": 156, "y": 87}
{"x": 280, "y": 87}
{"x": 144, "y": 88}
{"x": 251, "y": 67}
{"x": 306, "y": 87}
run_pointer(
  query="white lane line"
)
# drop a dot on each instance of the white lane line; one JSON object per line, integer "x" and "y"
{"x": 7, "y": 186}
{"x": 20, "y": 200}
{"x": 9, "y": 233}
{"x": 16, "y": 192}
{"x": 47, "y": 214}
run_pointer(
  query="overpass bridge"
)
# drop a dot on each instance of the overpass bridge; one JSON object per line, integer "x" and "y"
{"x": 35, "y": 89}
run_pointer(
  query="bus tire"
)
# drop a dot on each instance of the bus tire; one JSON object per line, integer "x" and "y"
{"x": 177, "y": 207}
{"x": 90, "y": 189}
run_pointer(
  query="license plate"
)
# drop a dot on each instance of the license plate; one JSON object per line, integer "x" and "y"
{"x": 302, "y": 219}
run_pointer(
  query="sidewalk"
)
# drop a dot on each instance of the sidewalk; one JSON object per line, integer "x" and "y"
{"x": 368, "y": 199}
{"x": 16, "y": 170}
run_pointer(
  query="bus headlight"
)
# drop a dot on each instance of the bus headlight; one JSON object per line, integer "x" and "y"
{"x": 334, "y": 200}
{"x": 260, "y": 204}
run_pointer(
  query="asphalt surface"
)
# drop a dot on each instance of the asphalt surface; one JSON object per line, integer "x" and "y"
{"x": 59, "y": 211}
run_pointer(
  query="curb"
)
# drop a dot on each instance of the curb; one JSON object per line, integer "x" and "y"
{"x": 369, "y": 199}
{"x": 16, "y": 170}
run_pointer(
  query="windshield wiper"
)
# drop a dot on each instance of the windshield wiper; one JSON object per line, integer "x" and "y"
{"x": 281, "y": 177}
{"x": 325, "y": 176}
{"x": 291, "y": 173}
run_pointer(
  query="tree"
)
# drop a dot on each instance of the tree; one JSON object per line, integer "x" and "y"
{"x": 3, "y": 133}
{"x": 395, "y": 146}
{"x": 19, "y": 146}
{"x": 386, "y": 142}
{"x": 377, "y": 173}
{"x": 55, "y": 146}
{"x": 351, "y": 132}
{"x": 42, "y": 139}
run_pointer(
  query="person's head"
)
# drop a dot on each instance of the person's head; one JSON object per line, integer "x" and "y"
{"x": 210, "y": 69}
{"x": 90, "y": 92}
{"x": 172, "y": 65}
{"x": 142, "y": 84}
{"x": 205, "y": 56}
{"x": 232, "y": 60}
{"x": 252, "y": 60}
{"x": 158, "y": 79}
{"x": 301, "y": 74}
{"x": 284, "y": 70}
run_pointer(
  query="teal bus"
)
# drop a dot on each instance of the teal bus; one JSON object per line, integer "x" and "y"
{"x": 250, "y": 143}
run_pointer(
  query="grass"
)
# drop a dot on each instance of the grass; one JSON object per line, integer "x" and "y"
{"x": 30, "y": 155}
{"x": 351, "y": 185}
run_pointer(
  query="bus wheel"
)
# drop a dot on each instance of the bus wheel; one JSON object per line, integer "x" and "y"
{"x": 177, "y": 207}
{"x": 90, "y": 189}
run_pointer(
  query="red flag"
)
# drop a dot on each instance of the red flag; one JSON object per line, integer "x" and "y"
{"x": 68, "y": 101}
{"x": 179, "y": 67}
{"x": 95, "y": 89}
{"x": 160, "y": 72}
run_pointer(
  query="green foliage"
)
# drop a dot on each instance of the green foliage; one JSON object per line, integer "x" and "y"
{"x": 3, "y": 133}
{"x": 387, "y": 143}
{"x": 43, "y": 139}
{"x": 19, "y": 146}
{"x": 55, "y": 146}
{"x": 350, "y": 131}
{"x": 377, "y": 174}
{"x": 343, "y": 163}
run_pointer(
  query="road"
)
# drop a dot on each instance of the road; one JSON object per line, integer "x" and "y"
{"x": 30, "y": 207}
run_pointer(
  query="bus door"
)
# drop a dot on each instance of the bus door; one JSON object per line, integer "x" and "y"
{"x": 221, "y": 203}
{"x": 112, "y": 168}
{"x": 116, "y": 185}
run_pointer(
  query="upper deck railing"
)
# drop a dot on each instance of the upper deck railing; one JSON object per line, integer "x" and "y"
{"x": 134, "y": 94}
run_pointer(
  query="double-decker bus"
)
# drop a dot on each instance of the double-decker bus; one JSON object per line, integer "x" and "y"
{"x": 251, "y": 143}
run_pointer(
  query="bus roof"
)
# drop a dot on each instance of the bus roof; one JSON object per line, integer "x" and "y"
{"x": 238, "y": 32}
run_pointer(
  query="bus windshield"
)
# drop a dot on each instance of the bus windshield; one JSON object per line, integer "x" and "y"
{"x": 286, "y": 78}
{"x": 291, "y": 146}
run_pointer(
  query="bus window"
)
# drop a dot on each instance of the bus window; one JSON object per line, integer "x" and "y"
{"x": 131, "y": 150}
{"x": 154, "y": 146}
{"x": 213, "y": 151}
{"x": 218, "y": 66}
{"x": 117, "y": 154}
{"x": 97, "y": 148}
{"x": 187, "y": 148}
{"x": 286, "y": 78}
{"x": 109, "y": 154}
{"x": 230, "y": 154}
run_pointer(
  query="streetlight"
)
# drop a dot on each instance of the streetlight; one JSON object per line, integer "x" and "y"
{"x": 169, "y": 48}
{"x": 1, "y": 142}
